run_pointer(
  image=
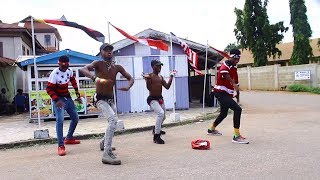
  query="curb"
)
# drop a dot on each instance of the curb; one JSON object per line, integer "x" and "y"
{"x": 34, "y": 142}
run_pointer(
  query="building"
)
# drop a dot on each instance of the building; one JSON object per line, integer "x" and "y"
{"x": 45, "y": 64}
{"x": 16, "y": 41}
{"x": 8, "y": 76}
{"x": 48, "y": 36}
{"x": 136, "y": 59}
{"x": 286, "y": 50}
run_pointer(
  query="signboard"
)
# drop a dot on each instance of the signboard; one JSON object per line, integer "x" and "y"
{"x": 91, "y": 108}
{"x": 45, "y": 105}
{"x": 84, "y": 106}
{"x": 302, "y": 75}
{"x": 79, "y": 104}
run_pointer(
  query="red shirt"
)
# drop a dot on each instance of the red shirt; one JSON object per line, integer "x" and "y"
{"x": 58, "y": 83}
{"x": 223, "y": 85}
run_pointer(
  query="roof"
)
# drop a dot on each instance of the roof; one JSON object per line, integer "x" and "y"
{"x": 23, "y": 58}
{"x": 10, "y": 26}
{"x": 200, "y": 49}
{"x": 14, "y": 28}
{"x": 6, "y": 62}
{"x": 286, "y": 50}
{"x": 52, "y": 58}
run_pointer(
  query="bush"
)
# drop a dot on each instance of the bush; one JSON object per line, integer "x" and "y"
{"x": 315, "y": 90}
{"x": 303, "y": 88}
{"x": 299, "y": 88}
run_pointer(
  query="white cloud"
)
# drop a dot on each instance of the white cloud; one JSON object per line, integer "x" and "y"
{"x": 199, "y": 21}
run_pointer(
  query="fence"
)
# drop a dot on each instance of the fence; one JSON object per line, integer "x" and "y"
{"x": 278, "y": 77}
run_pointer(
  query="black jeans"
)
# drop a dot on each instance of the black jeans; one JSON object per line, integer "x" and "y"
{"x": 227, "y": 102}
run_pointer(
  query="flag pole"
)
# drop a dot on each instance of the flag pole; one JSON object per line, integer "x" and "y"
{"x": 109, "y": 32}
{"x": 174, "y": 83}
{"x": 114, "y": 89}
{"x": 35, "y": 71}
{"x": 205, "y": 78}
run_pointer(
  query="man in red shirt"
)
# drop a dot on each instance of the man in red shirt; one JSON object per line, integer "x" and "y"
{"x": 57, "y": 89}
{"x": 226, "y": 88}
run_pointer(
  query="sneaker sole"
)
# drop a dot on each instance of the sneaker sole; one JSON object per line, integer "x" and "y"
{"x": 214, "y": 134}
{"x": 62, "y": 154}
{"x": 240, "y": 142}
{"x": 111, "y": 163}
{"x": 71, "y": 143}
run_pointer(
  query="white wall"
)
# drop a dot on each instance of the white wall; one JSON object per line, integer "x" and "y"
{"x": 40, "y": 38}
{"x": 27, "y": 48}
{"x": 12, "y": 47}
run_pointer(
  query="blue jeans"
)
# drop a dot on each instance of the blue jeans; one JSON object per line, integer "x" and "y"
{"x": 71, "y": 110}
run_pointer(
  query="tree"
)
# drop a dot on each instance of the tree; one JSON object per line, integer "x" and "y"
{"x": 302, "y": 50}
{"x": 231, "y": 46}
{"x": 254, "y": 32}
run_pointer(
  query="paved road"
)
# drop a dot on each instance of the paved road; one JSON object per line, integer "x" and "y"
{"x": 283, "y": 129}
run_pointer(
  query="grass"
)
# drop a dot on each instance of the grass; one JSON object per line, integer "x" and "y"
{"x": 303, "y": 88}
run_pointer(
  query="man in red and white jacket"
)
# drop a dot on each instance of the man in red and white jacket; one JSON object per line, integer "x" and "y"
{"x": 57, "y": 89}
{"x": 226, "y": 88}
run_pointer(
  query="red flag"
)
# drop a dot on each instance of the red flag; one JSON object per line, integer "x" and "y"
{"x": 222, "y": 53}
{"x": 156, "y": 44}
{"x": 191, "y": 55}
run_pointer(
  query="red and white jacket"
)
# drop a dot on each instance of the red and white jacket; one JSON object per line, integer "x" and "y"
{"x": 223, "y": 85}
{"x": 58, "y": 83}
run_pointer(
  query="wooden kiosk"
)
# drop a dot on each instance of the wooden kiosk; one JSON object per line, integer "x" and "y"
{"x": 45, "y": 65}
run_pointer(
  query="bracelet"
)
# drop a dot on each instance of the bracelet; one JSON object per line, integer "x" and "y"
{"x": 94, "y": 78}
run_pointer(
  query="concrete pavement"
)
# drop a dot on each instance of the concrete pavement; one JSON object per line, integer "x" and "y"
{"x": 16, "y": 130}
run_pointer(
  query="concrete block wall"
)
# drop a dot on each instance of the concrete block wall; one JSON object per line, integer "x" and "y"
{"x": 262, "y": 78}
{"x": 243, "y": 74}
{"x": 286, "y": 75}
{"x": 274, "y": 77}
{"x": 318, "y": 76}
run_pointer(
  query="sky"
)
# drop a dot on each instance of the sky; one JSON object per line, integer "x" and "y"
{"x": 200, "y": 21}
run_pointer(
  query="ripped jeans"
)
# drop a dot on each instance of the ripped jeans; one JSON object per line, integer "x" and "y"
{"x": 160, "y": 109}
{"x": 108, "y": 110}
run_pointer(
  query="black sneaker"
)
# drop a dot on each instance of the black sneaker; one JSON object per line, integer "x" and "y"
{"x": 157, "y": 139}
{"x": 214, "y": 132}
{"x": 161, "y": 132}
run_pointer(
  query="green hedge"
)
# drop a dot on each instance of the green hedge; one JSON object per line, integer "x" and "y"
{"x": 303, "y": 88}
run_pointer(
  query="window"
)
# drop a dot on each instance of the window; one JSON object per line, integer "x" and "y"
{"x": 24, "y": 50}
{"x": 28, "y": 52}
{"x": 47, "y": 40}
{"x": 1, "y": 49}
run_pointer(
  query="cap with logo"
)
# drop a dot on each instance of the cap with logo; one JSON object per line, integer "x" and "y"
{"x": 106, "y": 45}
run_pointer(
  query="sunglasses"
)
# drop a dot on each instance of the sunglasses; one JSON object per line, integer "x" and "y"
{"x": 64, "y": 63}
{"x": 235, "y": 56}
